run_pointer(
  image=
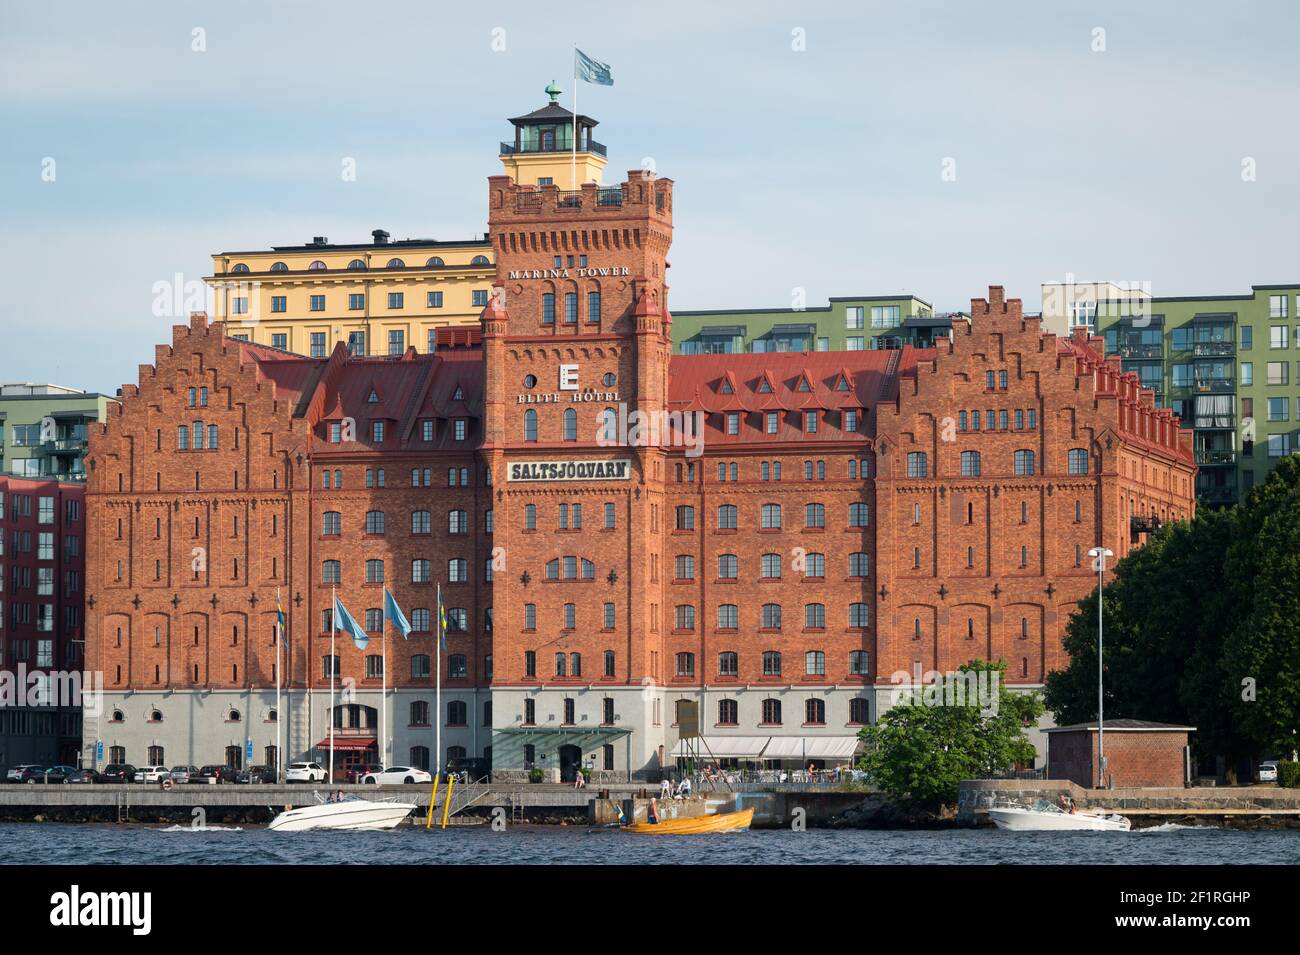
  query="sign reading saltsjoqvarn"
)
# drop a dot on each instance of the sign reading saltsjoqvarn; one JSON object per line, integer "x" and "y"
{"x": 619, "y": 470}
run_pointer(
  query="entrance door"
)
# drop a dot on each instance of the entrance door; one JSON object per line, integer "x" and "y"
{"x": 235, "y": 757}
{"x": 570, "y": 760}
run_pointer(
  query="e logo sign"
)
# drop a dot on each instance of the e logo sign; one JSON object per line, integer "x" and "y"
{"x": 568, "y": 377}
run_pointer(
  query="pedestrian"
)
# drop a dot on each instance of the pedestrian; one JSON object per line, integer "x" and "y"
{"x": 652, "y": 811}
{"x": 665, "y": 787}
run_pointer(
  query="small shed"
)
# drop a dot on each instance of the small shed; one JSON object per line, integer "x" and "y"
{"x": 1138, "y": 753}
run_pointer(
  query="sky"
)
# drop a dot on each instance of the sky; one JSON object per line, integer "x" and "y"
{"x": 932, "y": 147}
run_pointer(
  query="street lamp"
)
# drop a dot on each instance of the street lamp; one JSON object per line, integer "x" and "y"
{"x": 1099, "y": 555}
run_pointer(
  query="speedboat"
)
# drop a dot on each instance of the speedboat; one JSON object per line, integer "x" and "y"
{"x": 1046, "y": 817}
{"x": 347, "y": 812}
{"x": 694, "y": 825}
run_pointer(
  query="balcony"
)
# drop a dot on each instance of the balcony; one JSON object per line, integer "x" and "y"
{"x": 1141, "y": 351}
{"x": 1213, "y": 349}
{"x": 606, "y": 197}
{"x": 1225, "y": 494}
{"x": 1212, "y": 456}
{"x": 64, "y": 446}
{"x": 1207, "y": 386}
{"x": 550, "y": 146}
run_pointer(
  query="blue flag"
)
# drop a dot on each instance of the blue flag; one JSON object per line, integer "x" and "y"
{"x": 344, "y": 621}
{"x": 593, "y": 71}
{"x": 394, "y": 613}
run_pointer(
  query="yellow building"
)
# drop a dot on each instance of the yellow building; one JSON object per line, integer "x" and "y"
{"x": 383, "y": 297}
{"x": 380, "y": 298}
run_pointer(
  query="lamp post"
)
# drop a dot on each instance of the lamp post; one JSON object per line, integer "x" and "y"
{"x": 1099, "y": 555}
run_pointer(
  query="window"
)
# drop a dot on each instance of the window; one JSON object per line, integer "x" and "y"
{"x": 814, "y": 516}
{"x": 433, "y": 300}
{"x": 317, "y": 343}
{"x": 970, "y": 464}
{"x": 771, "y": 420}
{"x": 684, "y": 567}
{"x": 530, "y": 425}
{"x": 858, "y": 662}
{"x": 854, "y": 317}
{"x": 771, "y": 516}
{"x": 479, "y": 297}
{"x": 548, "y": 308}
{"x": 814, "y": 711}
{"x": 331, "y": 572}
{"x": 859, "y": 615}
{"x": 685, "y": 518}
{"x": 859, "y": 564}
{"x": 684, "y": 617}
{"x": 728, "y": 664}
{"x": 1277, "y": 336}
{"x": 593, "y": 306}
{"x": 771, "y": 565}
{"x": 1024, "y": 463}
{"x": 609, "y": 515}
{"x": 570, "y": 424}
{"x": 421, "y": 522}
{"x": 1078, "y": 461}
{"x": 728, "y": 566}
{"x": 772, "y": 708}
{"x": 727, "y": 517}
{"x": 810, "y": 422}
{"x": 421, "y": 570}
{"x": 814, "y": 616}
{"x": 1279, "y": 409}
{"x": 1277, "y": 306}
{"x": 771, "y": 663}
{"x": 814, "y": 565}
{"x": 859, "y": 515}
{"x": 916, "y": 464}
{"x": 727, "y": 617}
{"x": 374, "y": 522}
{"x": 374, "y": 571}
{"x": 1277, "y": 373}
{"x": 771, "y": 616}
{"x": 530, "y": 517}
{"x": 458, "y": 522}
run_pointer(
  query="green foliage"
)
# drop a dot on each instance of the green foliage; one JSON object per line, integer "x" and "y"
{"x": 1202, "y": 626}
{"x": 536, "y": 775}
{"x": 923, "y": 748}
{"x": 1288, "y": 774}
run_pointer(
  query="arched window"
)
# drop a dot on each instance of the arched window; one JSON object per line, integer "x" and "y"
{"x": 771, "y": 663}
{"x": 458, "y": 522}
{"x": 457, "y": 570}
{"x": 609, "y": 425}
{"x": 728, "y": 566}
{"x": 814, "y": 616}
{"x": 686, "y": 664}
{"x": 728, "y": 663}
{"x": 858, "y": 662}
{"x": 859, "y": 564}
{"x": 316, "y": 266}
{"x": 570, "y": 424}
{"x": 917, "y": 464}
{"x": 771, "y": 566}
{"x": 395, "y": 264}
{"x": 814, "y": 515}
{"x": 239, "y": 267}
{"x": 727, "y": 517}
{"x": 685, "y": 517}
{"x": 331, "y": 572}
{"x": 374, "y": 522}
{"x": 421, "y": 522}
{"x": 357, "y": 265}
{"x": 435, "y": 262}
{"x": 859, "y": 615}
{"x": 479, "y": 260}
{"x": 279, "y": 267}
{"x": 1078, "y": 461}
{"x": 1024, "y": 461}
{"x": 859, "y": 515}
{"x": 420, "y": 671}
{"x": 771, "y": 712}
{"x": 420, "y": 757}
{"x": 859, "y": 710}
{"x": 530, "y": 425}
{"x": 457, "y": 713}
{"x": 970, "y": 464}
{"x": 728, "y": 713}
{"x": 814, "y": 711}
{"x": 771, "y": 516}
{"x": 814, "y": 663}
{"x": 771, "y": 616}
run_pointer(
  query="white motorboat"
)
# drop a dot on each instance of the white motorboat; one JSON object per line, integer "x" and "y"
{"x": 1045, "y": 817}
{"x": 348, "y": 812}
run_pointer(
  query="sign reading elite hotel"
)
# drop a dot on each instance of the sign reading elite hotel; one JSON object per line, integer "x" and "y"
{"x": 619, "y": 470}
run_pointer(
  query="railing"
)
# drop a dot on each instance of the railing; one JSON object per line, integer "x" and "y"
{"x": 1204, "y": 456}
{"x": 1204, "y": 385}
{"x": 1214, "y": 348}
{"x": 65, "y": 444}
{"x": 591, "y": 146}
{"x": 1217, "y": 495}
{"x": 1141, "y": 351}
{"x": 532, "y": 201}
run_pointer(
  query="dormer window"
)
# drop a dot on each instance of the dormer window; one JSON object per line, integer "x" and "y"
{"x": 803, "y": 386}
{"x": 764, "y": 387}
{"x": 373, "y": 397}
{"x": 458, "y": 395}
{"x": 726, "y": 388}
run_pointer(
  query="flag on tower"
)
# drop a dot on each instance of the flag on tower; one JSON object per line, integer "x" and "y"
{"x": 593, "y": 71}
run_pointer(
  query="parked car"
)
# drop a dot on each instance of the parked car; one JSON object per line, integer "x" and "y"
{"x": 183, "y": 774}
{"x": 48, "y": 775}
{"x": 18, "y": 774}
{"x": 150, "y": 774}
{"x": 305, "y": 773}
{"x": 395, "y": 775}
{"x": 214, "y": 774}
{"x": 257, "y": 774}
{"x": 82, "y": 776}
{"x": 59, "y": 774}
{"x": 1268, "y": 771}
{"x": 356, "y": 771}
{"x": 117, "y": 773}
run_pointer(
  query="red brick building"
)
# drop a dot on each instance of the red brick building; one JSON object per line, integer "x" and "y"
{"x": 774, "y": 553}
{"x": 42, "y": 576}
{"x": 1138, "y": 753}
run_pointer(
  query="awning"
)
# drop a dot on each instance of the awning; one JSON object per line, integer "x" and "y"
{"x": 793, "y": 329}
{"x": 723, "y": 747}
{"x": 811, "y": 747}
{"x": 342, "y": 743}
{"x": 723, "y": 331}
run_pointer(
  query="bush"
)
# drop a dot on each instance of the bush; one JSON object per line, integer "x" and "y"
{"x": 1288, "y": 774}
{"x": 536, "y": 775}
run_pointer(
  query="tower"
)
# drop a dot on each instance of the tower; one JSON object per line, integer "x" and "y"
{"x": 576, "y": 334}
{"x": 542, "y": 153}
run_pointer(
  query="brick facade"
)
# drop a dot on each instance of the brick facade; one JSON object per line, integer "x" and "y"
{"x": 795, "y": 533}
{"x": 1137, "y": 754}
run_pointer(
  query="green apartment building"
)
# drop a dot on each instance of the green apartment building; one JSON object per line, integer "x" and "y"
{"x": 1229, "y": 366}
{"x": 43, "y": 429}
{"x": 850, "y": 323}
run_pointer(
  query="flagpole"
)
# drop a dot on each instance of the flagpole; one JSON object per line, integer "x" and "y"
{"x": 383, "y": 692}
{"x": 437, "y": 693}
{"x": 573, "y": 174}
{"x": 279, "y": 639}
{"x": 334, "y": 628}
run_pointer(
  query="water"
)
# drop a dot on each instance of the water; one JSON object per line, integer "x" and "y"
{"x": 1166, "y": 845}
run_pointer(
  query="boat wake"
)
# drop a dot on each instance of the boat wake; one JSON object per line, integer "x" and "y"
{"x": 1173, "y": 827}
{"x": 202, "y": 829}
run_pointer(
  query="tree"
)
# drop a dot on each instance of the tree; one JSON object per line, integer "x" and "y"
{"x": 924, "y": 747}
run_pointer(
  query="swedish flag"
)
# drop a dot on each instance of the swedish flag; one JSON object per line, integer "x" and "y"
{"x": 442, "y": 620}
{"x": 279, "y": 619}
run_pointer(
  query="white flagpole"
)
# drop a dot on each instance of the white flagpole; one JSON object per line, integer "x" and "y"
{"x": 279, "y": 639}
{"x": 383, "y": 692}
{"x": 437, "y": 693}
{"x": 573, "y": 175}
{"x": 334, "y": 628}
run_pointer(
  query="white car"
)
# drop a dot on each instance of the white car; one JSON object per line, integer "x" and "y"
{"x": 304, "y": 773}
{"x": 1268, "y": 771}
{"x": 394, "y": 775}
{"x": 150, "y": 774}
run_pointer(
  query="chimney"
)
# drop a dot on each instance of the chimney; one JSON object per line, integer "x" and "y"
{"x": 380, "y": 236}
{"x": 319, "y": 240}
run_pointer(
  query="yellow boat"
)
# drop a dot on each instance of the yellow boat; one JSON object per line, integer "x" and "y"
{"x": 694, "y": 825}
